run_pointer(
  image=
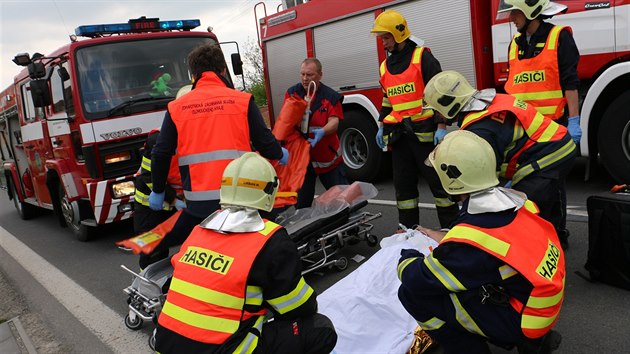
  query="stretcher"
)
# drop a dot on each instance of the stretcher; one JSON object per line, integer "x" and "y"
{"x": 333, "y": 222}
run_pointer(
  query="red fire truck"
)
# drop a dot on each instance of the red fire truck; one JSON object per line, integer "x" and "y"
{"x": 464, "y": 35}
{"x": 73, "y": 122}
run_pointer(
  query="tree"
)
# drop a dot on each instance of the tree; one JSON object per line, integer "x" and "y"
{"x": 253, "y": 71}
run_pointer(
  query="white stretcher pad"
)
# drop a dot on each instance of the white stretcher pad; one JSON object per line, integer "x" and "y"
{"x": 364, "y": 306}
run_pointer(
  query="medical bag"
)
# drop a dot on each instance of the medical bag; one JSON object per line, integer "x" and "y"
{"x": 609, "y": 238}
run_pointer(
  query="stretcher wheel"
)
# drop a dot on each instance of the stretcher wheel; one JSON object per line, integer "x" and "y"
{"x": 371, "y": 240}
{"x": 133, "y": 324}
{"x": 341, "y": 263}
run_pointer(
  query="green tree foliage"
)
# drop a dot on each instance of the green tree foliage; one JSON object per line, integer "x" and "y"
{"x": 253, "y": 71}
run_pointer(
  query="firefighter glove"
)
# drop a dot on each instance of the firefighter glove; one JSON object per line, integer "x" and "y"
{"x": 574, "y": 128}
{"x": 156, "y": 200}
{"x": 285, "y": 157}
{"x": 318, "y": 134}
{"x": 439, "y": 135}
{"x": 379, "y": 138}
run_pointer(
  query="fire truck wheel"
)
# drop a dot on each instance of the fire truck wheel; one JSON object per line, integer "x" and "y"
{"x": 70, "y": 212}
{"x": 25, "y": 210}
{"x": 363, "y": 159}
{"x": 615, "y": 127}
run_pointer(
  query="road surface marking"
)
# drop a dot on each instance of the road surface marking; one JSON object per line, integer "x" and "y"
{"x": 104, "y": 322}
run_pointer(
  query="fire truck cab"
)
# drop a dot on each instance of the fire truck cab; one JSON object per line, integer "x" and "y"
{"x": 465, "y": 36}
{"x": 73, "y": 122}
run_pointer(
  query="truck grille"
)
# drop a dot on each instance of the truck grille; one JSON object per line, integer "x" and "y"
{"x": 122, "y": 168}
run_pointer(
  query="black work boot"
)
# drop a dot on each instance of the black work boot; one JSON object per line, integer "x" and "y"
{"x": 545, "y": 345}
{"x": 563, "y": 235}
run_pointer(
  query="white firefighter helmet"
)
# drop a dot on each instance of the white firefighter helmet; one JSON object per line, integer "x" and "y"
{"x": 465, "y": 163}
{"x": 448, "y": 92}
{"x": 184, "y": 90}
{"x": 249, "y": 181}
{"x": 391, "y": 21}
{"x": 533, "y": 8}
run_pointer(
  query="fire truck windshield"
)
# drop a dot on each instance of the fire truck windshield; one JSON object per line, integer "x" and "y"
{"x": 140, "y": 72}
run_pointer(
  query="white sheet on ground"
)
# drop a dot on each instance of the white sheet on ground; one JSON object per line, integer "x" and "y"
{"x": 364, "y": 305}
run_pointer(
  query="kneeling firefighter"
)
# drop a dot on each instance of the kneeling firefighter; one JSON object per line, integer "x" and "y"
{"x": 235, "y": 272}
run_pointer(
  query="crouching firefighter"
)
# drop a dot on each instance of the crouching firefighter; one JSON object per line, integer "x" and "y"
{"x": 498, "y": 275}
{"x": 237, "y": 285}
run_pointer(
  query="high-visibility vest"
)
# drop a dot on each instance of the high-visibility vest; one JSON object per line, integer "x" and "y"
{"x": 143, "y": 185}
{"x": 212, "y": 130}
{"x": 537, "y": 80}
{"x": 208, "y": 293}
{"x": 405, "y": 91}
{"x": 530, "y": 246}
{"x": 538, "y": 129}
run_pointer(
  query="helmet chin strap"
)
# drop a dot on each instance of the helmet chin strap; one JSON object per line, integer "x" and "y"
{"x": 523, "y": 30}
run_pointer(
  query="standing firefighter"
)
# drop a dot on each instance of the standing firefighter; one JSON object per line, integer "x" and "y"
{"x": 236, "y": 270}
{"x": 406, "y": 127}
{"x": 534, "y": 152}
{"x": 498, "y": 275}
{"x": 543, "y": 61}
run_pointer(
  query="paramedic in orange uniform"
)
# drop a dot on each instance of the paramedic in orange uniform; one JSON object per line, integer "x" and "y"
{"x": 208, "y": 127}
{"x": 498, "y": 275}
{"x": 324, "y": 117}
{"x": 543, "y": 61}
{"x": 405, "y": 126}
{"x": 235, "y": 272}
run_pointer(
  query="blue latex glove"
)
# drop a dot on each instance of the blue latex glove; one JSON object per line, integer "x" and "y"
{"x": 156, "y": 201}
{"x": 180, "y": 204}
{"x": 574, "y": 129}
{"x": 508, "y": 184}
{"x": 439, "y": 135}
{"x": 379, "y": 138}
{"x": 285, "y": 157}
{"x": 318, "y": 134}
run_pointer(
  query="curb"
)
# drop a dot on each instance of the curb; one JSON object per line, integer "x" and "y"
{"x": 13, "y": 338}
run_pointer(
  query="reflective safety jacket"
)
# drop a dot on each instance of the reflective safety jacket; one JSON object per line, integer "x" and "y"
{"x": 537, "y": 142}
{"x": 143, "y": 183}
{"x": 536, "y": 80}
{"x": 530, "y": 246}
{"x": 209, "y": 294}
{"x": 212, "y": 130}
{"x": 404, "y": 94}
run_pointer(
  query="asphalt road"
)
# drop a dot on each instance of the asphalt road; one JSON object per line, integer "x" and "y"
{"x": 594, "y": 318}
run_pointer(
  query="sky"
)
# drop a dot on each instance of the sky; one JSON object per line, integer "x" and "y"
{"x": 44, "y": 25}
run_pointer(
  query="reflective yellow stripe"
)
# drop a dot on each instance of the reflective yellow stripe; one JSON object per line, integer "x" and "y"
{"x": 254, "y": 295}
{"x": 547, "y": 160}
{"x": 432, "y": 324}
{"x": 549, "y": 132}
{"x": 417, "y": 55}
{"x": 146, "y": 163}
{"x": 425, "y": 137}
{"x": 294, "y": 299}
{"x": 513, "y": 47}
{"x": 402, "y": 265}
{"x": 479, "y": 237}
{"x": 535, "y": 124}
{"x": 209, "y": 323}
{"x": 382, "y": 68}
{"x": 464, "y": 318}
{"x": 531, "y": 206}
{"x": 537, "y": 322}
{"x": 390, "y": 119}
{"x": 250, "y": 342}
{"x": 141, "y": 198}
{"x": 407, "y": 105}
{"x": 544, "y": 302}
{"x": 442, "y": 274}
{"x": 286, "y": 194}
{"x": 386, "y": 102}
{"x": 443, "y": 202}
{"x": 407, "y": 204}
{"x": 269, "y": 226}
{"x": 206, "y": 295}
{"x": 472, "y": 116}
{"x": 506, "y": 271}
{"x": 541, "y": 95}
{"x": 552, "y": 39}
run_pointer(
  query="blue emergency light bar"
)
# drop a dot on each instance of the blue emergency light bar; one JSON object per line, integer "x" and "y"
{"x": 141, "y": 24}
